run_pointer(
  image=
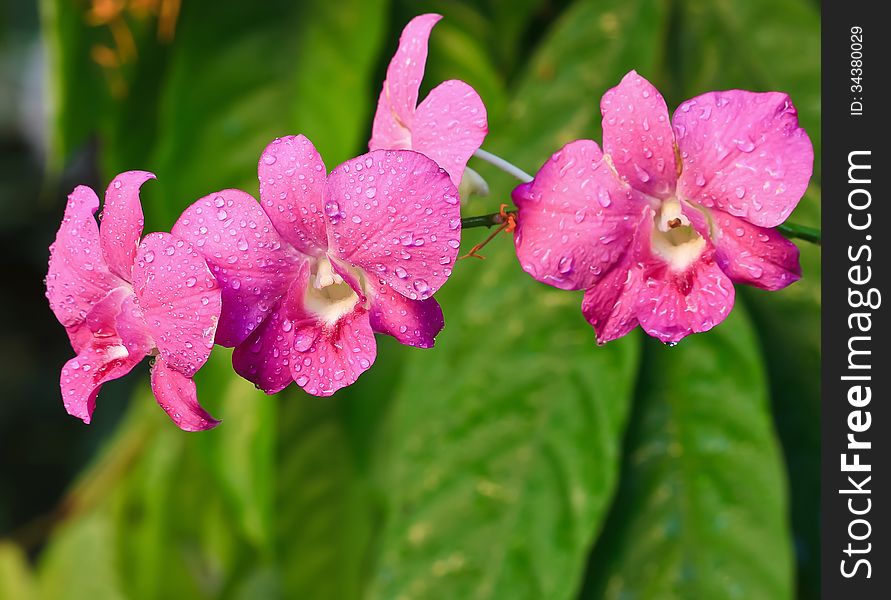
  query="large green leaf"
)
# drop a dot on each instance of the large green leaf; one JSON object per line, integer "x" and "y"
{"x": 701, "y": 512}
{"x": 504, "y": 440}
{"x": 16, "y": 579}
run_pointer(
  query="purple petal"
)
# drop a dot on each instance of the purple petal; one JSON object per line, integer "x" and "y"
{"x": 743, "y": 153}
{"x": 177, "y": 395}
{"x": 122, "y": 221}
{"x": 750, "y": 254}
{"x": 251, "y": 263}
{"x": 398, "y": 218}
{"x": 179, "y": 298}
{"x": 292, "y": 192}
{"x": 263, "y": 357}
{"x": 78, "y": 277}
{"x": 411, "y": 322}
{"x": 637, "y": 136}
{"x": 99, "y": 361}
{"x": 392, "y": 128}
{"x": 575, "y": 218}
{"x": 449, "y": 126}
{"x": 327, "y": 358}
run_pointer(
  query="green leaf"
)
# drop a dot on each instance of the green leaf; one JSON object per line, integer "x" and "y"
{"x": 701, "y": 511}
{"x": 761, "y": 45}
{"x": 81, "y": 562}
{"x": 504, "y": 440}
{"x": 232, "y": 89}
{"x": 16, "y": 579}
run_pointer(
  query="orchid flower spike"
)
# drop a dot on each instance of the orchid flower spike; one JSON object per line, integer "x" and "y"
{"x": 448, "y": 126}
{"x": 658, "y": 226}
{"x": 324, "y": 261}
{"x": 121, "y": 300}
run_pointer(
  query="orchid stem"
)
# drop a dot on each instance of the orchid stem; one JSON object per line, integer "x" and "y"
{"x": 489, "y": 220}
{"x": 502, "y": 164}
{"x": 802, "y": 232}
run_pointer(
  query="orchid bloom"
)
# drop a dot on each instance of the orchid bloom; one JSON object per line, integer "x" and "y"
{"x": 121, "y": 300}
{"x": 322, "y": 262}
{"x": 448, "y": 126}
{"x": 658, "y": 226}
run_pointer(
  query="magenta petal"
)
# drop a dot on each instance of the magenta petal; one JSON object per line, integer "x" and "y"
{"x": 744, "y": 153}
{"x": 412, "y": 322}
{"x": 754, "y": 255}
{"x": 122, "y": 221}
{"x": 392, "y": 128}
{"x": 100, "y": 361}
{"x": 178, "y": 397}
{"x": 179, "y": 298}
{"x": 398, "y": 218}
{"x": 131, "y": 327}
{"x": 329, "y": 357}
{"x": 575, "y": 218}
{"x": 292, "y": 192}
{"x": 611, "y": 305}
{"x": 673, "y": 304}
{"x": 264, "y": 356}
{"x": 102, "y": 318}
{"x": 78, "y": 277}
{"x": 449, "y": 126}
{"x": 246, "y": 255}
{"x": 637, "y": 136}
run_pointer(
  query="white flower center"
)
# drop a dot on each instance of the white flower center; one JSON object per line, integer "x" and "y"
{"x": 328, "y": 296}
{"x": 674, "y": 238}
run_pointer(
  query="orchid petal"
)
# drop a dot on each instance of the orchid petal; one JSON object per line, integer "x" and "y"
{"x": 251, "y": 263}
{"x": 78, "y": 277}
{"x": 122, "y": 221}
{"x": 327, "y": 358}
{"x": 177, "y": 395}
{"x": 292, "y": 192}
{"x": 179, "y": 298}
{"x": 449, "y": 126}
{"x": 743, "y": 153}
{"x": 637, "y": 136}
{"x": 100, "y": 361}
{"x": 392, "y": 128}
{"x": 397, "y": 217}
{"x": 411, "y": 322}
{"x": 575, "y": 218}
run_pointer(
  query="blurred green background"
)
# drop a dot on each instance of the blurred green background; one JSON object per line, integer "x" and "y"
{"x": 516, "y": 459}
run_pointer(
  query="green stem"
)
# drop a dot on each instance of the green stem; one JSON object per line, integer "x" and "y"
{"x": 489, "y": 220}
{"x": 802, "y": 232}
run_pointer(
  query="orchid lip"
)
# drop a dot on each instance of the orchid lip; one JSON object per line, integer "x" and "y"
{"x": 328, "y": 295}
{"x": 674, "y": 238}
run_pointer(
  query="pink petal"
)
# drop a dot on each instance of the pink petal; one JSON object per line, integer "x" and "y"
{"x": 637, "y": 136}
{"x": 575, "y": 218}
{"x": 179, "y": 298}
{"x": 329, "y": 357}
{"x": 78, "y": 277}
{"x": 753, "y": 255}
{"x": 744, "y": 153}
{"x": 610, "y": 306}
{"x": 412, "y": 322}
{"x": 251, "y": 263}
{"x": 102, "y": 318}
{"x": 122, "y": 221}
{"x": 397, "y": 217}
{"x": 449, "y": 126}
{"x": 101, "y": 360}
{"x": 292, "y": 192}
{"x": 178, "y": 397}
{"x": 131, "y": 327}
{"x": 263, "y": 358}
{"x": 672, "y": 305}
{"x": 392, "y": 128}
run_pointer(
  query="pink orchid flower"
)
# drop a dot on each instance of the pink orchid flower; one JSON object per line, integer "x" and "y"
{"x": 658, "y": 226}
{"x": 121, "y": 300}
{"x": 322, "y": 262}
{"x": 448, "y": 126}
